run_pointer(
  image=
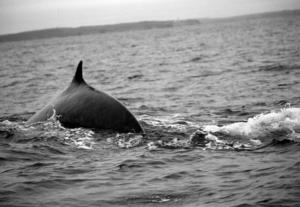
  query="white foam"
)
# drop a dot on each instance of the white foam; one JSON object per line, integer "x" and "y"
{"x": 129, "y": 140}
{"x": 81, "y": 138}
{"x": 175, "y": 121}
{"x": 78, "y": 137}
{"x": 285, "y": 122}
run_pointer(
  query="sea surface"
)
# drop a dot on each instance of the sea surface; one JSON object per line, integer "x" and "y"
{"x": 219, "y": 101}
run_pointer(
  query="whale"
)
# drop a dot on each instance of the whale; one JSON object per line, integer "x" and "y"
{"x": 81, "y": 105}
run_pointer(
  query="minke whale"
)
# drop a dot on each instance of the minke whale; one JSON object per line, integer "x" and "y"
{"x": 80, "y": 105}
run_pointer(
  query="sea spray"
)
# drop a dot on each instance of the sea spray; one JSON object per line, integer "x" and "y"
{"x": 281, "y": 124}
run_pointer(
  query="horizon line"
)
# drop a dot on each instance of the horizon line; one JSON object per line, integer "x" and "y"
{"x": 150, "y": 20}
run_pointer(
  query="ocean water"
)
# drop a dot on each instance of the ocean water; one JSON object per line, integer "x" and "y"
{"x": 219, "y": 101}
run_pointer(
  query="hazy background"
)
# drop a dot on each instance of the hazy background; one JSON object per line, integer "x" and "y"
{"x": 24, "y": 15}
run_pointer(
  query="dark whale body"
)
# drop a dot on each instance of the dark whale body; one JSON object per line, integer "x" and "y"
{"x": 80, "y": 105}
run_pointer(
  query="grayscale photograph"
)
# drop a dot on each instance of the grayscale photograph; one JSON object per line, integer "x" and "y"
{"x": 150, "y": 103}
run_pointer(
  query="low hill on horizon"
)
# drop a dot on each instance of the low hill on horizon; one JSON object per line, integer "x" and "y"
{"x": 84, "y": 30}
{"x": 143, "y": 25}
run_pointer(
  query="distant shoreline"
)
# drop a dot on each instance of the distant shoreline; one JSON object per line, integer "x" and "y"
{"x": 143, "y": 25}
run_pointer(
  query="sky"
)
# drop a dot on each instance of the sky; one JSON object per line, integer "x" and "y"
{"x": 26, "y": 15}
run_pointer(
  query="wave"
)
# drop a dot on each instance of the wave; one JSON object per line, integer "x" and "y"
{"x": 278, "y": 67}
{"x": 282, "y": 124}
{"x": 171, "y": 132}
{"x": 49, "y": 131}
{"x": 275, "y": 127}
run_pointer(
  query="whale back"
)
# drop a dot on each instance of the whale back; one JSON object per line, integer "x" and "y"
{"x": 80, "y": 105}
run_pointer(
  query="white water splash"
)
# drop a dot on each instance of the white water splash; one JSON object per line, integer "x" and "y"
{"x": 170, "y": 122}
{"x": 284, "y": 123}
{"x": 79, "y": 137}
{"x": 263, "y": 128}
{"x": 127, "y": 140}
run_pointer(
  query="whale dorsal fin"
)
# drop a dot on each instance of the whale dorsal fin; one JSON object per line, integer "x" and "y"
{"x": 78, "y": 74}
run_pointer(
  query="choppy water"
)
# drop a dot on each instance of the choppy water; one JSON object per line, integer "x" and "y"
{"x": 220, "y": 103}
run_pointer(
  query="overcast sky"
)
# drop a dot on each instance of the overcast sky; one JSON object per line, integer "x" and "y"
{"x": 24, "y": 15}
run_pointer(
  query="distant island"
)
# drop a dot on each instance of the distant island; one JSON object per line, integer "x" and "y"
{"x": 144, "y": 25}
